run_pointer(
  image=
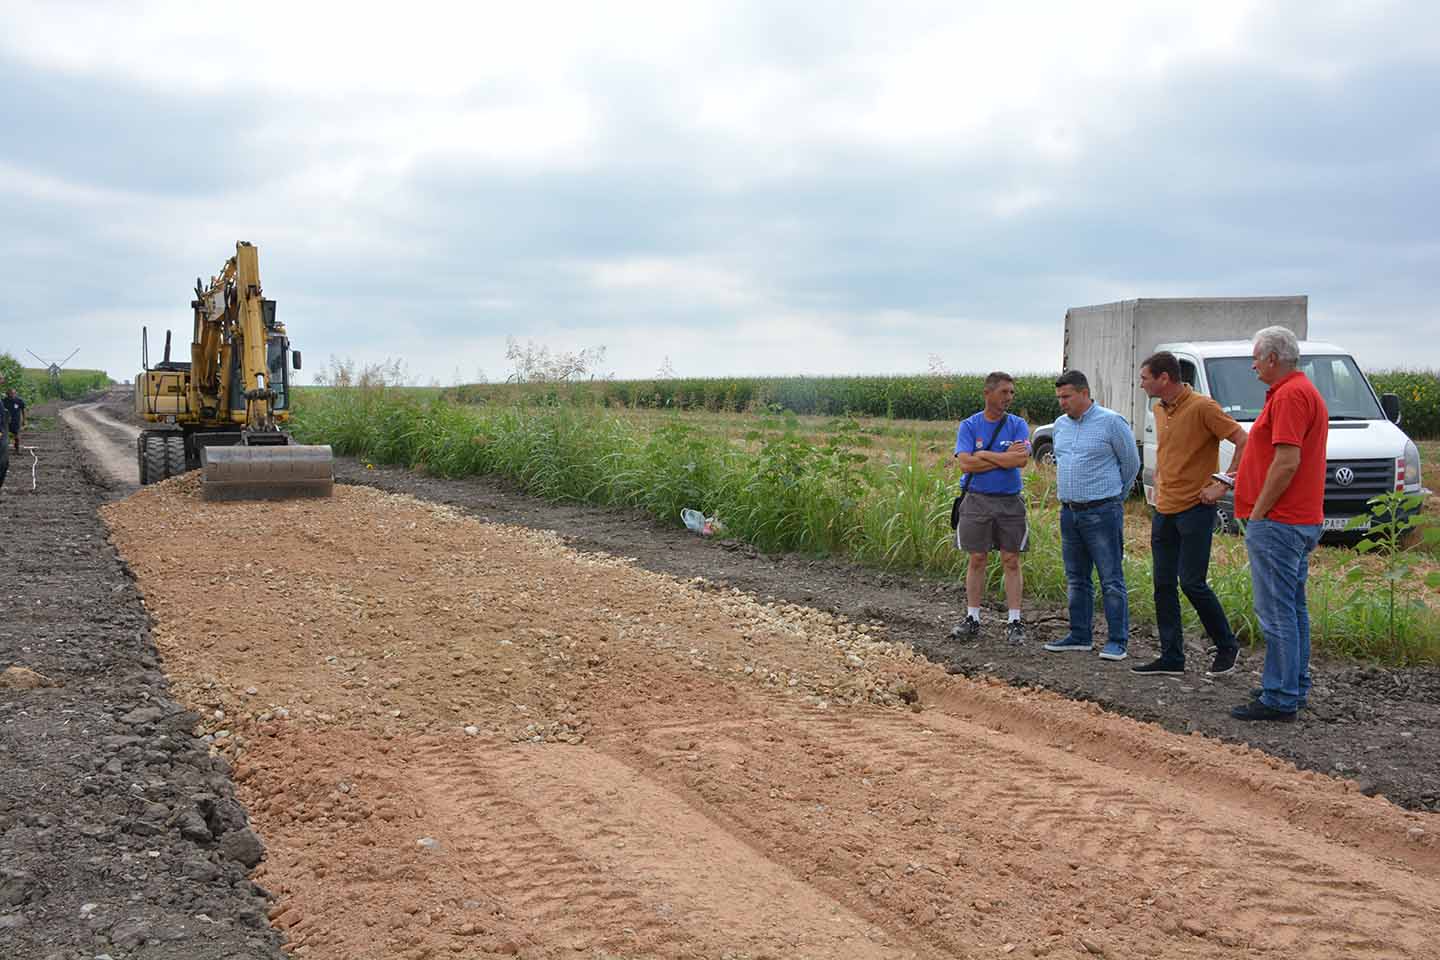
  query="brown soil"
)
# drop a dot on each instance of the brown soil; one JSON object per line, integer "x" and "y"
{"x": 458, "y": 738}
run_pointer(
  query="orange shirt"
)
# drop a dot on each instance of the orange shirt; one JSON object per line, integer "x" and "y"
{"x": 1294, "y": 415}
{"x": 1188, "y": 432}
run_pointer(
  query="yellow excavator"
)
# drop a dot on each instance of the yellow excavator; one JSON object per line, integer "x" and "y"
{"x": 225, "y": 411}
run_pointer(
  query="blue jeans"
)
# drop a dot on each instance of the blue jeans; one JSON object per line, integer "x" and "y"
{"x": 1094, "y": 539}
{"x": 1180, "y": 552}
{"x": 1279, "y": 565}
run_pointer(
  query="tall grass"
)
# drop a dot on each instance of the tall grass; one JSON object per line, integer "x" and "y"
{"x": 782, "y": 492}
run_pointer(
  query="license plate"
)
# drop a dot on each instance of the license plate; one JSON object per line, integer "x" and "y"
{"x": 1343, "y": 523}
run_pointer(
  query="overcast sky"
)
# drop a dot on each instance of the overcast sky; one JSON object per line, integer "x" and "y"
{"x": 770, "y": 187}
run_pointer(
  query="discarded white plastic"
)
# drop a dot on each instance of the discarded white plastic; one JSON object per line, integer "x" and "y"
{"x": 697, "y": 522}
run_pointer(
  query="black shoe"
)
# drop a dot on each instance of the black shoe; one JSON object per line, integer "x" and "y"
{"x": 1224, "y": 662}
{"x": 1257, "y": 692}
{"x": 968, "y": 629}
{"x": 1015, "y": 632}
{"x": 1255, "y": 710}
{"x": 1159, "y": 668}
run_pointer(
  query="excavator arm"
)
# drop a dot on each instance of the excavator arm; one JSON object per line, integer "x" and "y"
{"x": 254, "y": 357}
{"x": 209, "y": 346}
{"x": 230, "y": 319}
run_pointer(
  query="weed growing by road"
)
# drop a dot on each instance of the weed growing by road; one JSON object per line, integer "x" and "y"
{"x": 1393, "y": 522}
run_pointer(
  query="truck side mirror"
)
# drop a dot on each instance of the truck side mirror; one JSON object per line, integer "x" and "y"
{"x": 1390, "y": 403}
{"x": 295, "y": 363}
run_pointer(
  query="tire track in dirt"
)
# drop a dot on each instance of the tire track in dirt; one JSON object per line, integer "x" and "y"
{"x": 1080, "y": 814}
{"x": 626, "y": 850}
{"x": 1066, "y": 814}
{"x": 689, "y": 773}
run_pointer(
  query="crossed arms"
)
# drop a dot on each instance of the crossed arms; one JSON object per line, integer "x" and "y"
{"x": 983, "y": 461}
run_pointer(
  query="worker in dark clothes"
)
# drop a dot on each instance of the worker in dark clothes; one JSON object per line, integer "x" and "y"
{"x": 12, "y": 415}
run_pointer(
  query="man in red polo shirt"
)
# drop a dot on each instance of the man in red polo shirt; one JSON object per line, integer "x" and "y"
{"x": 1280, "y": 492}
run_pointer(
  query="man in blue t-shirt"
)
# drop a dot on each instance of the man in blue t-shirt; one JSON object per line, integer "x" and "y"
{"x": 991, "y": 447}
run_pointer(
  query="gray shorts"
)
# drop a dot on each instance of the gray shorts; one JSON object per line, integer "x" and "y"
{"x": 993, "y": 522}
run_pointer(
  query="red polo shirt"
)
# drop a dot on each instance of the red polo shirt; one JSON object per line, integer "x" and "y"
{"x": 1294, "y": 415}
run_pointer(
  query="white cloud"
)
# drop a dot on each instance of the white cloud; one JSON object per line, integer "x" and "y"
{"x": 694, "y": 280}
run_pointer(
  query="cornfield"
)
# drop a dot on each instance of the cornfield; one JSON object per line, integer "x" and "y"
{"x": 899, "y": 397}
{"x": 1419, "y": 393}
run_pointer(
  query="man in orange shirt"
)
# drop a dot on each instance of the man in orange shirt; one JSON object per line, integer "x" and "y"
{"x": 1280, "y": 491}
{"x": 1189, "y": 427}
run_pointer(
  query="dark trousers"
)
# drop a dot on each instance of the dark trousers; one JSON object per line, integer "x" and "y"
{"x": 1180, "y": 551}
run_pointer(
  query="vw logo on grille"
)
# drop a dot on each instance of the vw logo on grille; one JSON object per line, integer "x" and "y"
{"x": 1344, "y": 476}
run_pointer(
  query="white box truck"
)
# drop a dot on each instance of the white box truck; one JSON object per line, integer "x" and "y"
{"x": 1367, "y": 452}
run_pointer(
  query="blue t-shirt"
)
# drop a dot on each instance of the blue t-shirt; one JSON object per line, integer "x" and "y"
{"x": 974, "y": 436}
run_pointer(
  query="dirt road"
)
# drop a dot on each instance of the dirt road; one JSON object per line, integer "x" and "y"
{"x": 111, "y": 442}
{"x": 465, "y": 739}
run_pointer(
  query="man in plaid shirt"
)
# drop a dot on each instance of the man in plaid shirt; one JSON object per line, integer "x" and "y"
{"x": 1096, "y": 465}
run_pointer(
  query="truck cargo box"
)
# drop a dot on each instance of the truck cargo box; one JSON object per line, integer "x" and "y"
{"x": 1107, "y": 342}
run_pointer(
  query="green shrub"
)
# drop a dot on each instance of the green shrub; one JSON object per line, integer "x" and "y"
{"x": 38, "y": 385}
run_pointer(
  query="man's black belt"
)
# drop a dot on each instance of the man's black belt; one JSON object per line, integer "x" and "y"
{"x": 1089, "y": 504}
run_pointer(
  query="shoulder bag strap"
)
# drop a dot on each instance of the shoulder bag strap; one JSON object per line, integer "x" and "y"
{"x": 965, "y": 484}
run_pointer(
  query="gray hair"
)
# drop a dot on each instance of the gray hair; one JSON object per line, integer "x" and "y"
{"x": 1281, "y": 342}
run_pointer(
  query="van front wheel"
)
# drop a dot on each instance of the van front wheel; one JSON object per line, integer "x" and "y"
{"x": 1225, "y": 519}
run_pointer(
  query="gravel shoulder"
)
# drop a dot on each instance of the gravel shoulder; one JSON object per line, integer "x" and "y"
{"x": 119, "y": 831}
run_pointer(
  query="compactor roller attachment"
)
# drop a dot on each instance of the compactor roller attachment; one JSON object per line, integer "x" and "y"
{"x": 279, "y": 472}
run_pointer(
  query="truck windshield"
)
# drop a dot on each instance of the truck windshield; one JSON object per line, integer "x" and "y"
{"x": 1339, "y": 380}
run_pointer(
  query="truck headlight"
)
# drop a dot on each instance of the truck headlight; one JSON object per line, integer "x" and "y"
{"x": 1412, "y": 465}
